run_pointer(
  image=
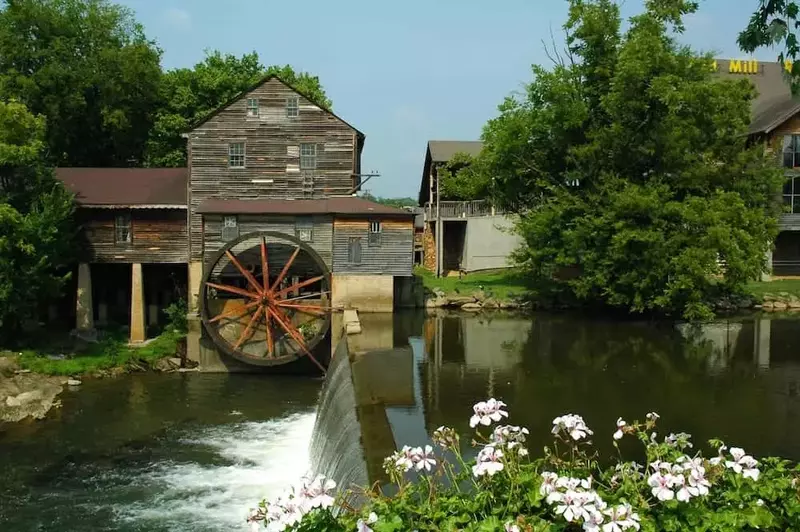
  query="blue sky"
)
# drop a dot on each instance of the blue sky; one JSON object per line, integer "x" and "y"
{"x": 402, "y": 72}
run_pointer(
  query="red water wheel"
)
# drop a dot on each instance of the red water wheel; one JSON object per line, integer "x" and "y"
{"x": 265, "y": 299}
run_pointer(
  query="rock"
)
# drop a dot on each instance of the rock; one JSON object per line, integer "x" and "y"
{"x": 176, "y": 361}
{"x": 187, "y": 370}
{"x": 457, "y": 301}
{"x": 438, "y": 292}
{"x": 780, "y": 305}
{"x": 479, "y": 295}
{"x": 490, "y": 303}
{"x": 472, "y": 307}
{"x": 794, "y": 302}
{"x": 508, "y": 305}
{"x": 24, "y": 398}
{"x": 74, "y": 382}
{"x": 768, "y": 305}
{"x": 166, "y": 365}
{"x": 22, "y": 371}
{"x": 436, "y": 302}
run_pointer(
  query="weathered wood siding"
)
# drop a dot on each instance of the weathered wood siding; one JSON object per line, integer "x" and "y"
{"x": 393, "y": 256}
{"x": 158, "y": 236}
{"x": 322, "y": 232}
{"x": 272, "y": 152}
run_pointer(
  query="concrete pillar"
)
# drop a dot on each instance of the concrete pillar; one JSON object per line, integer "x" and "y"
{"x": 768, "y": 275}
{"x": 138, "y": 334}
{"x": 102, "y": 313}
{"x": 763, "y": 337}
{"x": 152, "y": 309}
{"x": 295, "y": 280}
{"x": 84, "y": 310}
{"x": 195, "y": 278}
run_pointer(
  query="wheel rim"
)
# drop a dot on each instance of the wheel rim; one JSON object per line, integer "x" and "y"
{"x": 265, "y": 299}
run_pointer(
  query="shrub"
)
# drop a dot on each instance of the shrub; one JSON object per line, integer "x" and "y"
{"x": 176, "y": 315}
{"x": 568, "y": 488}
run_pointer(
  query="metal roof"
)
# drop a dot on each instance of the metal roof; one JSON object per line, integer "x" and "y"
{"x": 443, "y": 150}
{"x": 344, "y": 205}
{"x": 163, "y": 188}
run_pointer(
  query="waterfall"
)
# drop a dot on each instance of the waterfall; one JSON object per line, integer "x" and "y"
{"x": 336, "y": 450}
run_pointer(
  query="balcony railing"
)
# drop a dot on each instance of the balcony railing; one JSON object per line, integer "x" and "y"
{"x": 460, "y": 209}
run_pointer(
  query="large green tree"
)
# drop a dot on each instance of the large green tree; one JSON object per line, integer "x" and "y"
{"x": 775, "y": 24}
{"x": 36, "y": 231}
{"x": 191, "y": 94}
{"x": 630, "y": 164}
{"x": 87, "y": 66}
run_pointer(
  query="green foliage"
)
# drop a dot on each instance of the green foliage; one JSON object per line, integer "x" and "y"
{"x": 631, "y": 166}
{"x": 176, "y": 313}
{"x": 461, "y": 179}
{"x": 87, "y": 66}
{"x": 759, "y": 289}
{"x": 774, "y": 24}
{"x": 111, "y": 352}
{"x": 391, "y": 202}
{"x": 190, "y": 95}
{"x": 36, "y": 231}
{"x": 500, "y": 284}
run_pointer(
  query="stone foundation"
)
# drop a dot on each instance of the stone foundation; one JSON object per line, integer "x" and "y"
{"x": 366, "y": 293}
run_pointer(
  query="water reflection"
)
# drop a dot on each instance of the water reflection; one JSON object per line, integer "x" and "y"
{"x": 737, "y": 380}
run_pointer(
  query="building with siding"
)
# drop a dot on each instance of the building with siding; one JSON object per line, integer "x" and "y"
{"x": 268, "y": 160}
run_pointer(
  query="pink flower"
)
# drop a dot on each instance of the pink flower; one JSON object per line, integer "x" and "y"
{"x": 489, "y": 462}
{"x": 485, "y": 412}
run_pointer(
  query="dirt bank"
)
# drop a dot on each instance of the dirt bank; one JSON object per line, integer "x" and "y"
{"x": 24, "y": 395}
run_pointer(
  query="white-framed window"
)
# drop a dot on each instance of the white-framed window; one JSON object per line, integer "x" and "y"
{"x": 791, "y": 151}
{"x": 252, "y": 107}
{"x": 374, "y": 233}
{"x": 308, "y": 156}
{"x": 292, "y": 107}
{"x": 122, "y": 228}
{"x": 230, "y": 221}
{"x": 230, "y": 228}
{"x": 236, "y": 155}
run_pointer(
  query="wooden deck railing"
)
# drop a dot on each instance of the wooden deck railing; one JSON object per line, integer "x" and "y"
{"x": 460, "y": 209}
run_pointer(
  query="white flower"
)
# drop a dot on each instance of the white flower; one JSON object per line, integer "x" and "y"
{"x": 363, "y": 526}
{"x": 743, "y": 464}
{"x": 620, "y": 425}
{"x": 760, "y": 502}
{"x": 317, "y": 494}
{"x": 404, "y": 459}
{"x": 572, "y": 424}
{"x": 510, "y": 527}
{"x": 489, "y": 461}
{"x": 424, "y": 459}
{"x": 592, "y": 521}
{"x": 621, "y": 517}
{"x": 679, "y": 482}
{"x": 548, "y": 483}
{"x": 652, "y": 416}
{"x": 661, "y": 485}
{"x": 487, "y": 411}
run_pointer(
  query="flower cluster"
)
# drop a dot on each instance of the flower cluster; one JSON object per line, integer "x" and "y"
{"x": 488, "y": 462}
{"x": 510, "y": 437}
{"x": 576, "y": 501}
{"x": 485, "y": 412}
{"x": 290, "y": 507}
{"x": 741, "y": 463}
{"x": 409, "y": 458}
{"x": 446, "y": 438}
{"x": 681, "y": 440}
{"x": 571, "y": 424}
{"x": 683, "y": 480}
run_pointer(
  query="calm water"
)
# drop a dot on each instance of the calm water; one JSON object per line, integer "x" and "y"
{"x": 194, "y": 452}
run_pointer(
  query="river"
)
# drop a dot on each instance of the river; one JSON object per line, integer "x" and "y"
{"x": 194, "y": 452}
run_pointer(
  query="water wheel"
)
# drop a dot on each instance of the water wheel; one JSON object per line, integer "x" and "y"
{"x": 265, "y": 299}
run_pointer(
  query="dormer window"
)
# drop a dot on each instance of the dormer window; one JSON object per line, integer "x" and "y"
{"x": 292, "y": 107}
{"x": 252, "y": 107}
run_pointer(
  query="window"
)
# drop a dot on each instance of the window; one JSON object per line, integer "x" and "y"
{"x": 791, "y": 195}
{"x": 308, "y": 156}
{"x": 791, "y": 151}
{"x": 354, "y": 250}
{"x": 252, "y": 107}
{"x": 304, "y": 230}
{"x": 122, "y": 228}
{"x": 374, "y": 233}
{"x": 292, "y": 107}
{"x": 236, "y": 155}
{"x": 230, "y": 228}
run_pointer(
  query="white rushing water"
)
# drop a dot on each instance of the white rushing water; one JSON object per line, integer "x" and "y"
{"x": 257, "y": 460}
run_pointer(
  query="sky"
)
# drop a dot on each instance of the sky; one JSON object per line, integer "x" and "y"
{"x": 408, "y": 71}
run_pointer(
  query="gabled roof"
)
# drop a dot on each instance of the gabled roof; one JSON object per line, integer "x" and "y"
{"x": 441, "y": 151}
{"x": 342, "y": 205}
{"x": 258, "y": 84}
{"x": 130, "y": 187}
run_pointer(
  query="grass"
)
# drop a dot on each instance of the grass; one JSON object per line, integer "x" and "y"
{"x": 111, "y": 352}
{"x": 790, "y": 286}
{"x": 500, "y": 284}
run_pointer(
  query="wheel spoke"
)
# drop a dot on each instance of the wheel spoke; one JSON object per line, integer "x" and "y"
{"x": 264, "y": 265}
{"x": 270, "y": 342}
{"x": 291, "y": 331}
{"x": 246, "y": 332}
{"x": 298, "y": 286}
{"x": 234, "y": 311}
{"x": 285, "y": 268}
{"x": 247, "y": 275}
{"x": 308, "y": 309}
{"x": 234, "y": 290}
{"x": 306, "y": 296}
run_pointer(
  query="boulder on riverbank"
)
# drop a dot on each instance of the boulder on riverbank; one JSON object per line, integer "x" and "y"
{"x": 26, "y": 395}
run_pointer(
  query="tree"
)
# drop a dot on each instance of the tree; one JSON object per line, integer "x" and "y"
{"x": 36, "y": 231}
{"x": 630, "y": 164}
{"x": 398, "y": 203}
{"x": 190, "y": 95}
{"x": 87, "y": 66}
{"x": 461, "y": 179}
{"x": 775, "y": 23}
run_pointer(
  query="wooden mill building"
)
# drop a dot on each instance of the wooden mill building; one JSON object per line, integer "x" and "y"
{"x": 268, "y": 160}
